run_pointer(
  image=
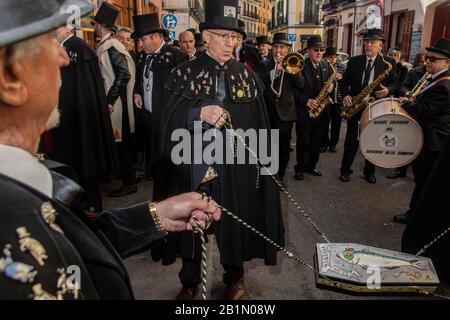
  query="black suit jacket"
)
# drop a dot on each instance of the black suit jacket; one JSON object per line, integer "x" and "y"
{"x": 412, "y": 77}
{"x": 310, "y": 90}
{"x": 432, "y": 110}
{"x": 353, "y": 75}
{"x": 285, "y": 104}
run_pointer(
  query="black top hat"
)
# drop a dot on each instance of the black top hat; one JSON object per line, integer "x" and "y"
{"x": 107, "y": 15}
{"x": 146, "y": 24}
{"x": 331, "y": 51}
{"x": 374, "y": 34}
{"x": 441, "y": 46}
{"x": 198, "y": 39}
{"x": 314, "y": 42}
{"x": 262, "y": 40}
{"x": 221, "y": 14}
{"x": 20, "y": 20}
{"x": 281, "y": 37}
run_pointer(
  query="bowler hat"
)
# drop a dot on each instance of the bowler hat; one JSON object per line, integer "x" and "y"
{"x": 374, "y": 34}
{"x": 107, "y": 15}
{"x": 331, "y": 51}
{"x": 441, "y": 46}
{"x": 20, "y": 20}
{"x": 314, "y": 42}
{"x": 280, "y": 37}
{"x": 262, "y": 40}
{"x": 146, "y": 24}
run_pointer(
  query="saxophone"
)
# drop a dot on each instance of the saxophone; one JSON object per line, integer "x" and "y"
{"x": 363, "y": 99}
{"x": 323, "y": 99}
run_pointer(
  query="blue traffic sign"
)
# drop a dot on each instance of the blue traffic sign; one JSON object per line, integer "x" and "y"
{"x": 173, "y": 35}
{"x": 170, "y": 21}
{"x": 292, "y": 37}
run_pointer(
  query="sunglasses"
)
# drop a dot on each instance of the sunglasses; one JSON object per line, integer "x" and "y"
{"x": 319, "y": 49}
{"x": 434, "y": 59}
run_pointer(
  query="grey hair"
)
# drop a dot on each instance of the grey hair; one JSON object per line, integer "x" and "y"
{"x": 25, "y": 48}
{"x": 124, "y": 29}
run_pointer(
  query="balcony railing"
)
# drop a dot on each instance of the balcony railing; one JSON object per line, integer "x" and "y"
{"x": 197, "y": 10}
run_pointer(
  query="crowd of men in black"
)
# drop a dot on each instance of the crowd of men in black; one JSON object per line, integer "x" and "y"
{"x": 214, "y": 76}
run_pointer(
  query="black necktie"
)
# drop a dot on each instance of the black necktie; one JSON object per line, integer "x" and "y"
{"x": 367, "y": 74}
{"x": 221, "y": 93}
{"x": 148, "y": 64}
{"x": 317, "y": 71}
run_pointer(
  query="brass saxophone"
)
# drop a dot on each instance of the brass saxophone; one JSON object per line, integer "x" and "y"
{"x": 323, "y": 99}
{"x": 412, "y": 95}
{"x": 363, "y": 99}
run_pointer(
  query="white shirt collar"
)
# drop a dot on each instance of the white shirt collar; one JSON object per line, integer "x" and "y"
{"x": 221, "y": 63}
{"x": 159, "y": 49}
{"x": 434, "y": 76}
{"x": 105, "y": 37}
{"x": 65, "y": 40}
{"x": 193, "y": 54}
{"x": 20, "y": 165}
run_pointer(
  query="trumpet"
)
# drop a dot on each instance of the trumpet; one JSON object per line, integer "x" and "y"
{"x": 292, "y": 63}
{"x": 412, "y": 95}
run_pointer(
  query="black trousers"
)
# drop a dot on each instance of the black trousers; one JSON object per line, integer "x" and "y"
{"x": 422, "y": 166}
{"x": 309, "y": 140}
{"x": 147, "y": 129}
{"x": 351, "y": 147}
{"x": 126, "y": 151}
{"x": 191, "y": 267}
{"x": 331, "y": 138}
{"x": 285, "y": 132}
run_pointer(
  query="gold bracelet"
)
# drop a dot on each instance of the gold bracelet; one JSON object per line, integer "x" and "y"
{"x": 154, "y": 214}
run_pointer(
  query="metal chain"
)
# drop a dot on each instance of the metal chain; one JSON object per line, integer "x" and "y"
{"x": 230, "y": 129}
{"x": 425, "y": 247}
{"x": 199, "y": 229}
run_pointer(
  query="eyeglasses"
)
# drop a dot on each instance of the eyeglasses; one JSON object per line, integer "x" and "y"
{"x": 434, "y": 59}
{"x": 319, "y": 49}
{"x": 225, "y": 36}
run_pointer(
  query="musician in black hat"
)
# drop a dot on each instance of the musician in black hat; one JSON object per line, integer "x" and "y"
{"x": 331, "y": 137}
{"x": 310, "y": 132}
{"x": 361, "y": 71}
{"x": 205, "y": 93}
{"x": 432, "y": 110}
{"x": 266, "y": 60}
{"x": 118, "y": 71}
{"x": 279, "y": 95}
{"x": 149, "y": 89}
{"x": 245, "y": 52}
{"x": 46, "y": 242}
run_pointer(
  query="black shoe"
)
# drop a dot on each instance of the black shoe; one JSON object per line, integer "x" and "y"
{"x": 370, "y": 178}
{"x": 124, "y": 190}
{"x": 402, "y": 218}
{"x": 323, "y": 149}
{"x": 299, "y": 176}
{"x": 315, "y": 172}
{"x": 345, "y": 177}
{"x": 396, "y": 174}
{"x": 332, "y": 149}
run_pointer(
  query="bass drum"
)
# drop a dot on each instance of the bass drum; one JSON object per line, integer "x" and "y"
{"x": 390, "y": 137}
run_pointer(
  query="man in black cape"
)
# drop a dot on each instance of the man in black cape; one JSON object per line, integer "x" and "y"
{"x": 202, "y": 89}
{"x": 84, "y": 139}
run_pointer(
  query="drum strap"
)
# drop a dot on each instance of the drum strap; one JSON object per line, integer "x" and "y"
{"x": 434, "y": 83}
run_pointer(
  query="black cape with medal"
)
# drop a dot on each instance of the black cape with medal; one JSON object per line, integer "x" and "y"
{"x": 243, "y": 190}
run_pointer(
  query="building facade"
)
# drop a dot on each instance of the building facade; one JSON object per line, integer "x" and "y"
{"x": 410, "y": 25}
{"x": 300, "y": 19}
{"x": 255, "y": 14}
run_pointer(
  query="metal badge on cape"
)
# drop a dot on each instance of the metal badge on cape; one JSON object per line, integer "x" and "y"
{"x": 364, "y": 269}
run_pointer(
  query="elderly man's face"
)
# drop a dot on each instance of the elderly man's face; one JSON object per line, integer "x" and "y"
{"x": 435, "y": 62}
{"x": 187, "y": 42}
{"x": 221, "y": 43}
{"x": 151, "y": 42}
{"x": 264, "y": 49}
{"x": 39, "y": 79}
{"x": 372, "y": 47}
{"x": 315, "y": 54}
{"x": 125, "y": 38}
{"x": 280, "y": 49}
